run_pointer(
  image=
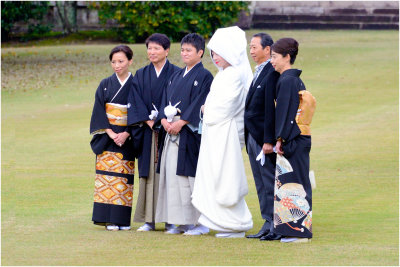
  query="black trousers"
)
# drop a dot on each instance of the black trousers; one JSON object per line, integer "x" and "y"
{"x": 264, "y": 178}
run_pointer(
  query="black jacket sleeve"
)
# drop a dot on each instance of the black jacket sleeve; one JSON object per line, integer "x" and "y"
{"x": 269, "y": 115}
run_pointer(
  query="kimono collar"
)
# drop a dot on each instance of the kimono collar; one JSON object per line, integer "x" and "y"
{"x": 123, "y": 82}
{"x": 186, "y": 70}
{"x": 159, "y": 72}
{"x": 292, "y": 72}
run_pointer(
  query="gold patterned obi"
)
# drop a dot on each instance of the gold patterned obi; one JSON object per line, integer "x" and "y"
{"x": 117, "y": 114}
{"x": 305, "y": 111}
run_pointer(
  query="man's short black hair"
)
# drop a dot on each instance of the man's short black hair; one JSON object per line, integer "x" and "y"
{"x": 266, "y": 39}
{"x": 196, "y": 40}
{"x": 160, "y": 39}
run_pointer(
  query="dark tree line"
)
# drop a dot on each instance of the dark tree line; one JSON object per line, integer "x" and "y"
{"x": 25, "y": 11}
{"x": 34, "y": 14}
{"x": 132, "y": 20}
{"x": 136, "y": 20}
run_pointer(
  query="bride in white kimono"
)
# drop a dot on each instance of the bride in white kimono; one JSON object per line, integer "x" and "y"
{"x": 220, "y": 184}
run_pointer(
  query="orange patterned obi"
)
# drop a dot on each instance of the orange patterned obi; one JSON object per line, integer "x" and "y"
{"x": 117, "y": 114}
{"x": 305, "y": 111}
{"x": 113, "y": 188}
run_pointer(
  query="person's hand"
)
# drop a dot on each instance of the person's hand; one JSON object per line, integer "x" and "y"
{"x": 176, "y": 126}
{"x": 121, "y": 138}
{"x": 150, "y": 123}
{"x": 202, "y": 109}
{"x": 267, "y": 148}
{"x": 279, "y": 147}
{"x": 166, "y": 125}
{"x": 111, "y": 133}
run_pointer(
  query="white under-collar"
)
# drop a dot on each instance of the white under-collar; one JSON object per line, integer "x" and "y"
{"x": 123, "y": 82}
{"x": 159, "y": 72}
{"x": 186, "y": 69}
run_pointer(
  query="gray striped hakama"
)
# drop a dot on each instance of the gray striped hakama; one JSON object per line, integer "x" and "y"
{"x": 174, "y": 197}
{"x": 148, "y": 189}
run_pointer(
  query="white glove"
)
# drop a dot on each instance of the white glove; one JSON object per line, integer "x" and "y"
{"x": 154, "y": 113}
{"x": 170, "y": 111}
{"x": 261, "y": 158}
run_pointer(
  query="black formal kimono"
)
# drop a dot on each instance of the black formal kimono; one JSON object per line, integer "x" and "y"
{"x": 115, "y": 165}
{"x": 191, "y": 91}
{"x": 147, "y": 90}
{"x": 293, "y": 196}
{"x": 145, "y": 96}
{"x": 179, "y": 153}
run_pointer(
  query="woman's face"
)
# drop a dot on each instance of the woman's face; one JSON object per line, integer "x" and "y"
{"x": 219, "y": 60}
{"x": 120, "y": 64}
{"x": 279, "y": 62}
{"x": 156, "y": 53}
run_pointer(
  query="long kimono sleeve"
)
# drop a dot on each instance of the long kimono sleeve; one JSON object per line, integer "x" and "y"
{"x": 99, "y": 121}
{"x": 191, "y": 113}
{"x": 138, "y": 111}
{"x": 163, "y": 104}
{"x": 287, "y": 102}
{"x": 226, "y": 98}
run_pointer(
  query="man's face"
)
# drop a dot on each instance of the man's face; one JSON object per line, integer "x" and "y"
{"x": 189, "y": 55}
{"x": 259, "y": 54}
{"x": 156, "y": 53}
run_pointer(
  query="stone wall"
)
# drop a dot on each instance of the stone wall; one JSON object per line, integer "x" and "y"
{"x": 323, "y": 15}
{"x": 276, "y": 15}
{"x": 87, "y": 19}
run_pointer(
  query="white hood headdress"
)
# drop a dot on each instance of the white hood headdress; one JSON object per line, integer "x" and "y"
{"x": 231, "y": 44}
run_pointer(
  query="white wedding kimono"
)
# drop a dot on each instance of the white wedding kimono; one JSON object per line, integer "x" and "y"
{"x": 220, "y": 182}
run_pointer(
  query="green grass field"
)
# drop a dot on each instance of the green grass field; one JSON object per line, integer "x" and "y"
{"x": 48, "y": 166}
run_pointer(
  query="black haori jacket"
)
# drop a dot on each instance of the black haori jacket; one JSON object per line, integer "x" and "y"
{"x": 191, "y": 91}
{"x": 147, "y": 90}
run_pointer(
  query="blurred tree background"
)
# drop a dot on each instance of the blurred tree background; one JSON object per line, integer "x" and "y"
{"x": 137, "y": 20}
{"x": 126, "y": 21}
{"x": 67, "y": 11}
{"x": 23, "y": 11}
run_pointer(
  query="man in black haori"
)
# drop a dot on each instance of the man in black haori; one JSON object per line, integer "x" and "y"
{"x": 179, "y": 150}
{"x": 145, "y": 99}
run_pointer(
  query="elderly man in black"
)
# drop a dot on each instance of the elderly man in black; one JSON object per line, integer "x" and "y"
{"x": 259, "y": 120}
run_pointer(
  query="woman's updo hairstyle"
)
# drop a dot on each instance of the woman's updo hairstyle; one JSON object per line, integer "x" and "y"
{"x": 122, "y": 48}
{"x": 286, "y": 46}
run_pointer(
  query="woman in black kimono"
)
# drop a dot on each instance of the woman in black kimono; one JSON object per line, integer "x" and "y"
{"x": 293, "y": 199}
{"x": 113, "y": 146}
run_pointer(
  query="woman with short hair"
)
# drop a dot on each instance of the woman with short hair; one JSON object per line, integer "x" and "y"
{"x": 113, "y": 146}
{"x": 293, "y": 196}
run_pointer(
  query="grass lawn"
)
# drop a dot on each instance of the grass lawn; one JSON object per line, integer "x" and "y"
{"x": 47, "y": 94}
